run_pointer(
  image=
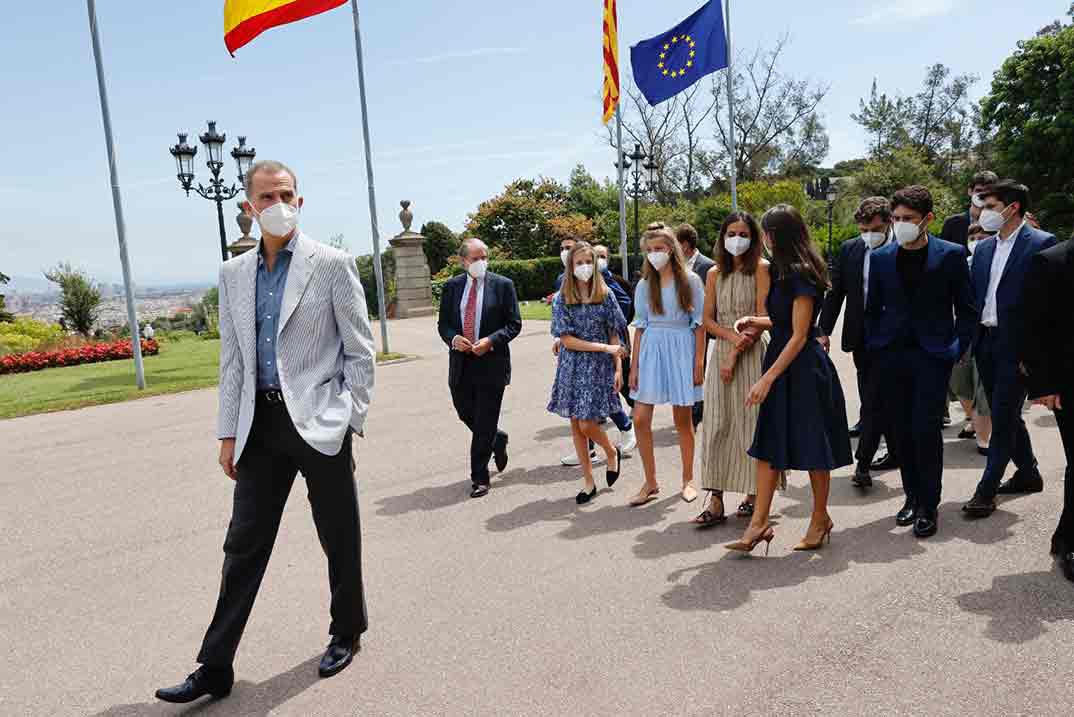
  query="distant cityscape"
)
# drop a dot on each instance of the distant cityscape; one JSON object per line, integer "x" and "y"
{"x": 151, "y": 303}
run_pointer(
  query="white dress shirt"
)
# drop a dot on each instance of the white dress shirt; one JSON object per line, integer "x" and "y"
{"x": 692, "y": 260}
{"x": 470, "y": 282}
{"x": 865, "y": 272}
{"x": 990, "y": 314}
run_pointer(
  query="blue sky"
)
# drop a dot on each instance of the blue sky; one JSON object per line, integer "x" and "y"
{"x": 464, "y": 96}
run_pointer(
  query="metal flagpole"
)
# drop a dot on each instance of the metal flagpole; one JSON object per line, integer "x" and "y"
{"x": 623, "y": 247}
{"x": 117, "y": 200}
{"x": 372, "y": 193}
{"x": 731, "y": 108}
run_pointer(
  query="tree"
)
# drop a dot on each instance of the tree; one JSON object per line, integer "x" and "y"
{"x": 5, "y": 316}
{"x": 588, "y": 197}
{"x": 940, "y": 110}
{"x": 1030, "y": 110}
{"x": 80, "y": 299}
{"x": 440, "y": 245}
{"x": 518, "y": 221}
{"x": 884, "y": 118}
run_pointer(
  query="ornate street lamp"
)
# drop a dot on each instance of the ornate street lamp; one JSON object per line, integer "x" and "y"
{"x": 636, "y": 190}
{"x": 217, "y": 192}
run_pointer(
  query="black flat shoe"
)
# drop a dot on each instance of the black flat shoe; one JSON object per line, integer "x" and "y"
{"x": 1066, "y": 564}
{"x": 500, "y": 452}
{"x": 480, "y": 490}
{"x": 967, "y": 432}
{"x": 979, "y": 506}
{"x": 610, "y": 475}
{"x": 855, "y": 430}
{"x": 862, "y": 478}
{"x": 205, "y": 680}
{"x": 582, "y": 498}
{"x": 1021, "y": 483}
{"x": 340, "y": 653}
{"x": 907, "y": 514}
{"x": 1059, "y": 546}
{"x": 983, "y": 450}
{"x": 885, "y": 463}
{"x": 926, "y": 524}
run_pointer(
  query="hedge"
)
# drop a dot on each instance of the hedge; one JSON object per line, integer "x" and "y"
{"x": 94, "y": 353}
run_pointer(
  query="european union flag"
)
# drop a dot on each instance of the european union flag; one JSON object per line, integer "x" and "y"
{"x": 667, "y": 64}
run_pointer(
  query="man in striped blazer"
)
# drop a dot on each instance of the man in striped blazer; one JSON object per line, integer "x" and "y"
{"x": 296, "y": 380}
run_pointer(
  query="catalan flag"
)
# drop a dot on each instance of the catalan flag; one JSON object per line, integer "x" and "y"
{"x": 246, "y": 19}
{"x": 611, "y": 59}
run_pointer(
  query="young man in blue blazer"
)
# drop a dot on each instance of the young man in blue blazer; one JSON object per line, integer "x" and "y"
{"x": 920, "y": 317}
{"x": 1000, "y": 266}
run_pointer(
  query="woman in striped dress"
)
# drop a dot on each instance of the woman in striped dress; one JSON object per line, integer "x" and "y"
{"x": 737, "y": 287}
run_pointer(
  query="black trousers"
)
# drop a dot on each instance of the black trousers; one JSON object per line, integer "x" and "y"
{"x": 273, "y": 456}
{"x": 920, "y": 380}
{"x": 875, "y": 389}
{"x": 1065, "y": 418}
{"x": 478, "y": 405}
{"x": 698, "y": 411}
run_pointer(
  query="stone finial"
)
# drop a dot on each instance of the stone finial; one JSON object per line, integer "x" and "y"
{"x": 406, "y": 216}
{"x": 245, "y": 222}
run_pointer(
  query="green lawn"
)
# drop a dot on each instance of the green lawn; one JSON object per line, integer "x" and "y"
{"x": 181, "y": 366}
{"x": 536, "y": 311}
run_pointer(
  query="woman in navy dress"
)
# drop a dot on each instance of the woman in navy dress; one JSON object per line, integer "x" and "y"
{"x": 587, "y": 319}
{"x": 802, "y": 423}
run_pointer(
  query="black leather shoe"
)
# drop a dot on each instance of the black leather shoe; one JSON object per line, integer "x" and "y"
{"x": 1066, "y": 563}
{"x": 500, "y": 453}
{"x": 979, "y": 506}
{"x": 907, "y": 514}
{"x": 339, "y": 654}
{"x": 855, "y": 430}
{"x": 215, "y": 681}
{"x": 862, "y": 478}
{"x": 480, "y": 490}
{"x": 1021, "y": 482}
{"x": 885, "y": 462}
{"x": 926, "y": 524}
{"x": 1059, "y": 546}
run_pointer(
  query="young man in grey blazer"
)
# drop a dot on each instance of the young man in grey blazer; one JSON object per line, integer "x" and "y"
{"x": 700, "y": 265}
{"x": 296, "y": 380}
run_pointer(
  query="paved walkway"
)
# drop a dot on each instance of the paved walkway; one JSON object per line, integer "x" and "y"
{"x": 112, "y": 520}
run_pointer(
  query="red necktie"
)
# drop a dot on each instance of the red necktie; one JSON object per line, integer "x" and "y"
{"x": 470, "y": 317}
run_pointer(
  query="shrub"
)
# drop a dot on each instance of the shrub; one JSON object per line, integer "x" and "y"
{"x": 368, "y": 277}
{"x": 92, "y": 353}
{"x": 440, "y": 245}
{"x": 176, "y": 336}
{"x": 533, "y": 278}
{"x": 27, "y": 335}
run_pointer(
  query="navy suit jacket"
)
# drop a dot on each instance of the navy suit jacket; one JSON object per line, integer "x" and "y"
{"x": 501, "y": 322}
{"x": 940, "y": 316}
{"x": 1029, "y": 243}
{"x": 848, "y": 283}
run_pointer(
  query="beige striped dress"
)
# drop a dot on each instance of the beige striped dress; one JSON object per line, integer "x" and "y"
{"x": 728, "y": 423}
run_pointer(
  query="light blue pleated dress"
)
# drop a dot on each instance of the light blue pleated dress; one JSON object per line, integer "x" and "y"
{"x": 666, "y": 358}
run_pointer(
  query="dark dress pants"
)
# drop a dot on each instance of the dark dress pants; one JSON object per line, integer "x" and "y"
{"x": 274, "y": 454}
{"x": 1006, "y": 395}
{"x": 478, "y": 403}
{"x": 1064, "y": 532}
{"x": 875, "y": 389}
{"x": 917, "y": 418}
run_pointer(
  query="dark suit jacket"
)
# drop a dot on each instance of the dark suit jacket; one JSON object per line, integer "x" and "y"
{"x": 927, "y": 316}
{"x": 702, "y": 266}
{"x": 501, "y": 322}
{"x": 1046, "y": 322}
{"x": 1009, "y": 294}
{"x": 848, "y": 282}
{"x": 956, "y": 229}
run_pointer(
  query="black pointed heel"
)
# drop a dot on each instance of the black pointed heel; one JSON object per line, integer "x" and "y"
{"x": 613, "y": 476}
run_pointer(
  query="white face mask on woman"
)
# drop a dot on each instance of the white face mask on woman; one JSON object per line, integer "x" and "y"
{"x": 583, "y": 272}
{"x": 659, "y": 259}
{"x": 602, "y": 264}
{"x": 736, "y": 245}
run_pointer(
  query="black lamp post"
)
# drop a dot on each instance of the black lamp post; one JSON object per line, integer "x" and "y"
{"x": 824, "y": 191}
{"x": 216, "y": 191}
{"x": 637, "y": 190}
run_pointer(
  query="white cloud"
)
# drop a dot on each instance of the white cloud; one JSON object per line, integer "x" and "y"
{"x": 901, "y": 10}
{"x": 463, "y": 55}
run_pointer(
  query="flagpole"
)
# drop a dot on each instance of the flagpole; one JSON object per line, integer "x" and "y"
{"x": 623, "y": 246}
{"x": 117, "y": 200}
{"x": 377, "y": 270}
{"x": 731, "y": 108}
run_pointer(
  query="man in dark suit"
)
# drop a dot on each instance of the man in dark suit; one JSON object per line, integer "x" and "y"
{"x": 1000, "y": 265}
{"x": 919, "y": 319}
{"x": 700, "y": 265}
{"x": 479, "y": 318}
{"x": 850, "y": 282}
{"x": 956, "y": 227}
{"x": 1046, "y": 349}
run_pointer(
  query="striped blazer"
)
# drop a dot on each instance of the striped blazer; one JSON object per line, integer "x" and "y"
{"x": 324, "y": 349}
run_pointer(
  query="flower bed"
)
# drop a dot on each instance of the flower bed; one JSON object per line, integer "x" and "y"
{"x": 94, "y": 353}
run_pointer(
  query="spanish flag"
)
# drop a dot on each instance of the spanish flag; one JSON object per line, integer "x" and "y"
{"x": 611, "y": 59}
{"x": 246, "y": 19}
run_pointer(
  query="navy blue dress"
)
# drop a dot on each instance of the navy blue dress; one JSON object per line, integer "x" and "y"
{"x": 802, "y": 424}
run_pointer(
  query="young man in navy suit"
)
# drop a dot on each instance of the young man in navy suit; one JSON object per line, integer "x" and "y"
{"x": 919, "y": 320}
{"x": 1000, "y": 266}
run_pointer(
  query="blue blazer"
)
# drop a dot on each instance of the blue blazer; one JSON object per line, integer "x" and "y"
{"x": 941, "y": 315}
{"x": 1030, "y": 242}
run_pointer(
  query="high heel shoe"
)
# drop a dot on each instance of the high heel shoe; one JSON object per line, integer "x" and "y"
{"x": 583, "y": 497}
{"x": 806, "y": 545}
{"x": 613, "y": 476}
{"x": 742, "y": 546}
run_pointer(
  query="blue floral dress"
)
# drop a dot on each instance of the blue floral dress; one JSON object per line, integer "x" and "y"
{"x": 585, "y": 380}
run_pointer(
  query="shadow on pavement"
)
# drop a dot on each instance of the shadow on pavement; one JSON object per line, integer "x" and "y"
{"x": 609, "y": 514}
{"x": 1020, "y": 606}
{"x": 247, "y": 698}
{"x": 445, "y": 496}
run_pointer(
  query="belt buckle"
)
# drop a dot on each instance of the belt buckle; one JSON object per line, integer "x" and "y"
{"x": 273, "y": 397}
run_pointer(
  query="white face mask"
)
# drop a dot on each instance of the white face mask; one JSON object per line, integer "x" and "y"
{"x": 659, "y": 259}
{"x": 737, "y": 245}
{"x": 279, "y": 220}
{"x": 583, "y": 272}
{"x": 991, "y": 220}
{"x": 563, "y": 255}
{"x": 977, "y": 201}
{"x": 478, "y": 268}
{"x": 602, "y": 264}
{"x": 907, "y": 232}
{"x": 874, "y": 239}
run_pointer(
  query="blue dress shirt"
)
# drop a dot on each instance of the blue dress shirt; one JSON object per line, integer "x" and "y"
{"x": 270, "y": 288}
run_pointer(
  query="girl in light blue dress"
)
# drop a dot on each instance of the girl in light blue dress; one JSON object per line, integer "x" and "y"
{"x": 669, "y": 346}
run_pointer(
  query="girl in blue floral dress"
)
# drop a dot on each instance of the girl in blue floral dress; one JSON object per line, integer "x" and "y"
{"x": 587, "y": 320}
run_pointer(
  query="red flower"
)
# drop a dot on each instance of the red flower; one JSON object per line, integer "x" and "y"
{"x": 93, "y": 353}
